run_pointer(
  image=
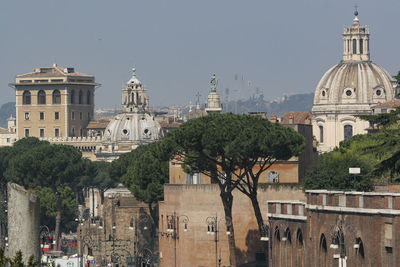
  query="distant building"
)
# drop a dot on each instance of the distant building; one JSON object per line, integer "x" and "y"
{"x": 349, "y": 88}
{"x": 53, "y": 102}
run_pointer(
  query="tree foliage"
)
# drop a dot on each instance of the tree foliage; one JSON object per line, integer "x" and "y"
{"x": 144, "y": 171}
{"x": 233, "y": 150}
{"x": 385, "y": 144}
{"x": 331, "y": 172}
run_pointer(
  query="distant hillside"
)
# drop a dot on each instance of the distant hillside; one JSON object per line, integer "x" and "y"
{"x": 297, "y": 102}
{"x": 6, "y": 111}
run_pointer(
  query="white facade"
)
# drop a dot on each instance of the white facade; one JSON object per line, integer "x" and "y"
{"x": 349, "y": 88}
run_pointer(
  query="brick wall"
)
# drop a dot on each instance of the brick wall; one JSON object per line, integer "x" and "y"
{"x": 195, "y": 247}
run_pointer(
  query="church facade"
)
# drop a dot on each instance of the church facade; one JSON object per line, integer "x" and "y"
{"x": 352, "y": 87}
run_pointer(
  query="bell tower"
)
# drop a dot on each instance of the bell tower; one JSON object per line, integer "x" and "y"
{"x": 356, "y": 41}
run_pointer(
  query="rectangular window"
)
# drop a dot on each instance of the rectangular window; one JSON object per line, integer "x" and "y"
{"x": 26, "y": 116}
{"x": 56, "y": 132}
{"x": 26, "y": 132}
{"x": 41, "y": 116}
{"x": 73, "y": 115}
{"x": 193, "y": 179}
{"x": 384, "y": 110}
{"x": 41, "y": 132}
{"x": 56, "y": 115}
{"x": 88, "y": 116}
{"x": 361, "y": 46}
{"x": 8, "y": 140}
{"x": 80, "y": 116}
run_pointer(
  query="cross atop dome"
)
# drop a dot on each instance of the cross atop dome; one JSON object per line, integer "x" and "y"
{"x": 355, "y": 20}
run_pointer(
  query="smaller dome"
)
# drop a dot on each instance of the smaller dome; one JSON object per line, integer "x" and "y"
{"x": 133, "y": 128}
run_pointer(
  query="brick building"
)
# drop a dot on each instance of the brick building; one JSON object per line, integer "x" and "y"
{"x": 189, "y": 206}
{"x": 117, "y": 229}
{"x": 336, "y": 228}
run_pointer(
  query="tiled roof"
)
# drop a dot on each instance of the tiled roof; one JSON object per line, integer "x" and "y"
{"x": 390, "y": 104}
{"x": 298, "y": 117}
{"x": 169, "y": 125}
{"x": 4, "y": 131}
{"x": 98, "y": 124}
{"x": 53, "y": 71}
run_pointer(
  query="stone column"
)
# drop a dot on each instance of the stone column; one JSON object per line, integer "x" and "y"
{"x": 23, "y": 222}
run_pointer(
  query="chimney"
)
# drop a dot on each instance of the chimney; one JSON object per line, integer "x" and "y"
{"x": 291, "y": 118}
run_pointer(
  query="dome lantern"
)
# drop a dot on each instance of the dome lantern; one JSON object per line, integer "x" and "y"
{"x": 356, "y": 41}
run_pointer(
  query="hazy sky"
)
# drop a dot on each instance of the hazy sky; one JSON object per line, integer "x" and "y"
{"x": 280, "y": 46}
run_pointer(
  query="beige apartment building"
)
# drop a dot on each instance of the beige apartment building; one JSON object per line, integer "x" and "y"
{"x": 53, "y": 102}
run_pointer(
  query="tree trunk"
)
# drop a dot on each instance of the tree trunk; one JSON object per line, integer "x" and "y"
{"x": 260, "y": 222}
{"x": 154, "y": 230}
{"x": 58, "y": 219}
{"x": 227, "y": 201}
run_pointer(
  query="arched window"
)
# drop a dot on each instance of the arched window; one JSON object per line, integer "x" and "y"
{"x": 354, "y": 46}
{"x": 56, "y": 97}
{"x": 276, "y": 246}
{"x": 41, "y": 97}
{"x": 26, "y": 98}
{"x": 321, "y": 133}
{"x": 359, "y": 246}
{"x": 80, "y": 97}
{"x": 299, "y": 248}
{"x": 88, "y": 98}
{"x": 72, "y": 96}
{"x": 348, "y": 131}
{"x": 323, "y": 249}
{"x": 287, "y": 236}
{"x": 361, "y": 46}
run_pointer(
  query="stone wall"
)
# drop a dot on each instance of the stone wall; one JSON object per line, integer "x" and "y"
{"x": 198, "y": 202}
{"x": 23, "y": 222}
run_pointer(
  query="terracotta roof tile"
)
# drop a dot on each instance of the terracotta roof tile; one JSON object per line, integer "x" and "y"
{"x": 298, "y": 117}
{"x": 390, "y": 104}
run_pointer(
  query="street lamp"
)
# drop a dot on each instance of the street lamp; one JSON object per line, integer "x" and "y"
{"x": 44, "y": 234}
{"x": 173, "y": 228}
{"x": 141, "y": 219}
{"x": 213, "y": 229}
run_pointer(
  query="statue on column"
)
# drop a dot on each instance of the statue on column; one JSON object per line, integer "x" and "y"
{"x": 214, "y": 83}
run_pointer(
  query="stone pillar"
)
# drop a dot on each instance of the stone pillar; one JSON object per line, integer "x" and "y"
{"x": 23, "y": 222}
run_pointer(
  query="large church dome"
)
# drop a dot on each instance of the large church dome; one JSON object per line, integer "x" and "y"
{"x": 362, "y": 82}
{"x": 352, "y": 87}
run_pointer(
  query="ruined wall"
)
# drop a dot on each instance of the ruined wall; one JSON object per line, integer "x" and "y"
{"x": 23, "y": 222}
{"x": 197, "y": 248}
